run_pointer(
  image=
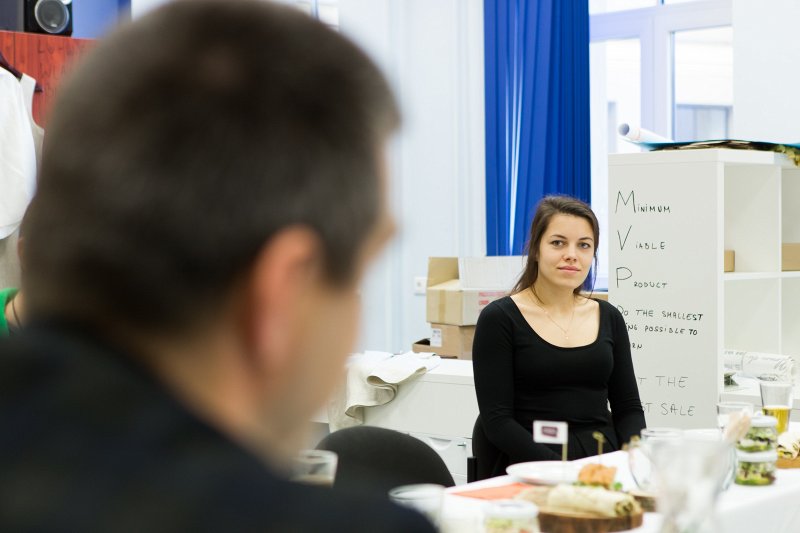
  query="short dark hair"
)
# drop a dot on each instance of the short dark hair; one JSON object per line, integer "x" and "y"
{"x": 183, "y": 142}
{"x": 548, "y": 207}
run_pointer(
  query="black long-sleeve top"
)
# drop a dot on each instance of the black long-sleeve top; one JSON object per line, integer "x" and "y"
{"x": 520, "y": 377}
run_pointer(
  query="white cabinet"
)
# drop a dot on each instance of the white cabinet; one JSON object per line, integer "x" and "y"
{"x": 672, "y": 213}
{"x": 440, "y": 402}
{"x": 453, "y": 450}
{"x": 440, "y": 408}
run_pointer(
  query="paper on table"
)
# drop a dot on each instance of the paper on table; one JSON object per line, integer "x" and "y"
{"x": 770, "y": 366}
{"x": 640, "y": 135}
{"x": 652, "y": 141}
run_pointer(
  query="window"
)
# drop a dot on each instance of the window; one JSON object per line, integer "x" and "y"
{"x": 703, "y": 82}
{"x": 607, "y": 6}
{"x": 326, "y": 11}
{"x": 615, "y": 96}
{"x": 664, "y": 65}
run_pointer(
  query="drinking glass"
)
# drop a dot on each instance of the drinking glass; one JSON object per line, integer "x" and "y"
{"x": 724, "y": 410}
{"x": 715, "y": 435}
{"x": 776, "y": 399}
{"x": 639, "y": 453}
{"x": 425, "y": 498}
{"x": 315, "y": 467}
{"x": 688, "y": 475}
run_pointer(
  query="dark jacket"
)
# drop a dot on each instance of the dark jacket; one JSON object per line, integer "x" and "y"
{"x": 90, "y": 441}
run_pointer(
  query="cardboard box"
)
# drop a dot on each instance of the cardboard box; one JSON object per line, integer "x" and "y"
{"x": 459, "y": 288}
{"x": 448, "y": 341}
{"x": 790, "y": 256}
{"x": 729, "y": 261}
{"x": 498, "y": 272}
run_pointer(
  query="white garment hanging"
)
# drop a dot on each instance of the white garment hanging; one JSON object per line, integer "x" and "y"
{"x": 28, "y": 85}
{"x": 17, "y": 155}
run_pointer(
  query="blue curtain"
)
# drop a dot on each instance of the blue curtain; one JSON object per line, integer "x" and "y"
{"x": 537, "y": 112}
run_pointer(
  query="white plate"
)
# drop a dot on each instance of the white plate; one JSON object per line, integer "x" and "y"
{"x": 545, "y": 472}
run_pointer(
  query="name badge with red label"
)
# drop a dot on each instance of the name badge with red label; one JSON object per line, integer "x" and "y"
{"x": 548, "y": 432}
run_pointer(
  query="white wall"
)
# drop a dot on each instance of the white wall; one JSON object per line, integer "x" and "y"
{"x": 139, "y": 7}
{"x": 432, "y": 51}
{"x": 766, "y": 79}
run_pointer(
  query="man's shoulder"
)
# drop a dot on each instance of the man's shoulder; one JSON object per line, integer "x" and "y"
{"x": 287, "y": 506}
{"x": 93, "y": 442}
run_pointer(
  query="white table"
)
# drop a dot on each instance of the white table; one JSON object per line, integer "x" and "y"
{"x": 748, "y": 391}
{"x": 770, "y": 509}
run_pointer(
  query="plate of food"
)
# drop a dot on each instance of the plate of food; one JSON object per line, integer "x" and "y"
{"x": 589, "y": 505}
{"x": 545, "y": 472}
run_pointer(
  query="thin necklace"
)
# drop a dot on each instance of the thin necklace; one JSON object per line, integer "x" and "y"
{"x": 535, "y": 299}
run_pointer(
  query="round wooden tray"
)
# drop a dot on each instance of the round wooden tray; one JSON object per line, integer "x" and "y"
{"x": 788, "y": 463}
{"x": 646, "y": 499}
{"x": 553, "y": 521}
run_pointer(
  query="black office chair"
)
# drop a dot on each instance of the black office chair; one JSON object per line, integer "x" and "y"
{"x": 487, "y": 460}
{"x": 376, "y": 460}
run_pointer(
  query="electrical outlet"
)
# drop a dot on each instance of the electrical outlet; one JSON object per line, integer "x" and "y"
{"x": 420, "y": 283}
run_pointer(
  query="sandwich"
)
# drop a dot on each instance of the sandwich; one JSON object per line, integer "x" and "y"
{"x": 789, "y": 445}
{"x": 594, "y": 500}
{"x": 597, "y": 475}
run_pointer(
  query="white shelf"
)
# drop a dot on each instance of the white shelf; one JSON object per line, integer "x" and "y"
{"x": 717, "y": 155}
{"x": 746, "y": 276}
{"x": 680, "y": 307}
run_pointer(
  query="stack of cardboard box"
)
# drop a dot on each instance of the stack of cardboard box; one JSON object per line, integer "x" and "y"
{"x": 729, "y": 262}
{"x": 790, "y": 256}
{"x": 457, "y": 291}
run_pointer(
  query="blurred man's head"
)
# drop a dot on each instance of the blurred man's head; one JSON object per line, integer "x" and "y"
{"x": 213, "y": 178}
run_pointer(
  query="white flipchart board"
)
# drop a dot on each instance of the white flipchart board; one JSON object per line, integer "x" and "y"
{"x": 665, "y": 277}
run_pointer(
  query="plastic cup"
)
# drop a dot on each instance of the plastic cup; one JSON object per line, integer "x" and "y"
{"x": 425, "y": 498}
{"x": 511, "y": 516}
{"x": 776, "y": 400}
{"x": 315, "y": 467}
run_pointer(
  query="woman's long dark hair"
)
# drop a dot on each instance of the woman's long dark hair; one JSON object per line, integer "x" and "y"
{"x": 548, "y": 207}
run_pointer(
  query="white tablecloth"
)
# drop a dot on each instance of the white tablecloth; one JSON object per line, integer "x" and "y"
{"x": 770, "y": 509}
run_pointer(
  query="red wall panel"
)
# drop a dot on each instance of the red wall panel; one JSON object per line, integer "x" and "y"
{"x": 7, "y": 45}
{"x": 45, "y": 58}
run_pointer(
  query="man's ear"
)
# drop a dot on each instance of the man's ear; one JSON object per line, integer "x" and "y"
{"x": 283, "y": 277}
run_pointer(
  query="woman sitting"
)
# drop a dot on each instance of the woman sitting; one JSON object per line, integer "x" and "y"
{"x": 548, "y": 353}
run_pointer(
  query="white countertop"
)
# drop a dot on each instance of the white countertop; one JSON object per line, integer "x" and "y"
{"x": 456, "y": 371}
{"x": 748, "y": 391}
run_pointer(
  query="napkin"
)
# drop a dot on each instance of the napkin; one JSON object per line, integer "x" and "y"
{"x": 372, "y": 379}
{"x": 503, "y": 492}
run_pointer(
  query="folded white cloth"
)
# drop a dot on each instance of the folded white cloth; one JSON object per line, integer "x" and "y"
{"x": 17, "y": 155}
{"x": 758, "y": 365}
{"x": 372, "y": 379}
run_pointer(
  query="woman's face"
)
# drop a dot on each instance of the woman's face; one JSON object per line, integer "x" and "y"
{"x": 566, "y": 252}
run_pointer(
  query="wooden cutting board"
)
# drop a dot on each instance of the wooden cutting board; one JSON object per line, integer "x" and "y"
{"x": 788, "y": 463}
{"x": 552, "y": 521}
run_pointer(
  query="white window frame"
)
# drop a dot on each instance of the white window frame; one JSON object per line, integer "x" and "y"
{"x": 654, "y": 27}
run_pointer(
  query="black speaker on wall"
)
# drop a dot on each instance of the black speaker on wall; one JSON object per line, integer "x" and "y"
{"x": 48, "y": 16}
